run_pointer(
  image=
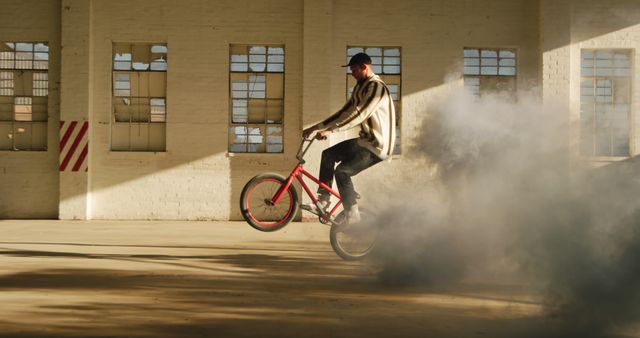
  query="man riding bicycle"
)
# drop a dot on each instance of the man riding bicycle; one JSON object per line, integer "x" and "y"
{"x": 370, "y": 108}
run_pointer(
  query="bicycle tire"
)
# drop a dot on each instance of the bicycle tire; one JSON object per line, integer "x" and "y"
{"x": 255, "y": 203}
{"x": 357, "y": 241}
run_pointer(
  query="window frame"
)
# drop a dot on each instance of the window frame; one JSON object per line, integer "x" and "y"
{"x": 134, "y": 72}
{"x": 477, "y": 91}
{"x": 593, "y": 156}
{"x": 274, "y": 68}
{"x": 30, "y": 105}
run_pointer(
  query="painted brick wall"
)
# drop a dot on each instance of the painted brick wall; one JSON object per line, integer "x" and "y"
{"x": 29, "y": 179}
{"x": 196, "y": 178}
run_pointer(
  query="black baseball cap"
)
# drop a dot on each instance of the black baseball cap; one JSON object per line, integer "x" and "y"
{"x": 359, "y": 59}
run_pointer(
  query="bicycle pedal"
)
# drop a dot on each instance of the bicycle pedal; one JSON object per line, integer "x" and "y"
{"x": 310, "y": 208}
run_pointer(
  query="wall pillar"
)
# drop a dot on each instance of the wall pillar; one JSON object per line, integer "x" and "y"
{"x": 317, "y": 60}
{"x": 555, "y": 44}
{"x": 317, "y": 68}
{"x": 75, "y": 108}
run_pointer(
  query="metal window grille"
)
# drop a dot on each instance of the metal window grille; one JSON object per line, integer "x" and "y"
{"x": 6, "y": 83}
{"x": 158, "y": 109}
{"x": 23, "y": 108}
{"x": 24, "y": 55}
{"x": 384, "y": 60}
{"x": 40, "y": 84}
{"x": 605, "y": 102}
{"x": 386, "y": 63}
{"x": 246, "y": 58}
{"x": 24, "y": 91}
{"x": 139, "y": 97}
{"x": 500, "y": 62}
{"x": 489, "y": 70}
{"x": 256, "y": 86}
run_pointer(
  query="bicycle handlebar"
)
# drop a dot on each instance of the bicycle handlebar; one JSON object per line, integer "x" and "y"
{"x": 303, "y": 150}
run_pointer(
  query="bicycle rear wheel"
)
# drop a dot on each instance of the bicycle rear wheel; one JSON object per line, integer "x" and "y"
{"x": 257, "y": 208}
{"x": 355, "y": 241}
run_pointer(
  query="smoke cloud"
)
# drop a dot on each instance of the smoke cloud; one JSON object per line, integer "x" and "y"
{"x": 501, "y": 201}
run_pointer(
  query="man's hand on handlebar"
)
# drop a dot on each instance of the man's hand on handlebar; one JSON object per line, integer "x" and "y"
{"x": 320, "y": 134}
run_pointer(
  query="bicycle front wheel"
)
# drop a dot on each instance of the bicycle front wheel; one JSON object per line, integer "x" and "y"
{"x": 257, "y": 207}
{"x": 355, "y": 241}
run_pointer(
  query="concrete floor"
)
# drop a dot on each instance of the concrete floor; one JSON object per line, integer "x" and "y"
{"x": 224, "y": 279}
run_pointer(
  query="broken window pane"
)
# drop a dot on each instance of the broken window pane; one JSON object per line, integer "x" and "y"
{"x": 274, "y": 139}
{"x": 256, "y": 98}
{"x": 258, "y": 50}
{"x": 141, "y": 58}
{"x": 122, "y": 61}
{"x": 256, "y": 111}
{"x": 139, "y": 104}
{"x": 275, "y": 111}
{"x": 23, "y": 93}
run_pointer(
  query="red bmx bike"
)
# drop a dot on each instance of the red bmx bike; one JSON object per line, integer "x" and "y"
{"x": 270, "y": 201}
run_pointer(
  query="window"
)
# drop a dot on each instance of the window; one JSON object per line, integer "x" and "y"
{"x": 139, "y": 97}
{"x": 385, "y": 62}
{"x": 24, "y": 92}
{"x": 605, "y": 100}
{"x": 489, "y": 70}
{"x": 256, "y": 89}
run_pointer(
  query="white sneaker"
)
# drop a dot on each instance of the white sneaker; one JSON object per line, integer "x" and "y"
{"x": 323, "y": 202}
{"x": 353, "y": 215}
{"x": 350, "y": 216}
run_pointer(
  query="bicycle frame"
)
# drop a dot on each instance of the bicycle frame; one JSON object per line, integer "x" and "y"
{"x": 299, "y": 173}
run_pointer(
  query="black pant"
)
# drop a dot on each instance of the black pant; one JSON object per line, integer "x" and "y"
{"x": 353, "y": 159}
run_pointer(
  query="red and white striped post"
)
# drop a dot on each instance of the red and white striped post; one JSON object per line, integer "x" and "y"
{"x": 74, "y": 145}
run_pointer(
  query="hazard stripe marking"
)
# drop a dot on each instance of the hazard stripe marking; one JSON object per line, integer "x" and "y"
{"x": 73, "y": 157}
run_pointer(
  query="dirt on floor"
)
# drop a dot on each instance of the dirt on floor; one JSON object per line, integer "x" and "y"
{"x": 225, "y": 279}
